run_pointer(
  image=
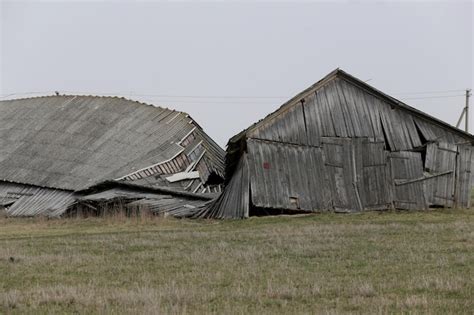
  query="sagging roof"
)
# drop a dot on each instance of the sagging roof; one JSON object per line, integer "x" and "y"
{"x": 338, "y": 73}
{"x": 71, "y": 142}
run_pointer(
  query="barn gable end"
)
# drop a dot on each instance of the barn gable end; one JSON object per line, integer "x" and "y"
{"x": 342, "y": 109}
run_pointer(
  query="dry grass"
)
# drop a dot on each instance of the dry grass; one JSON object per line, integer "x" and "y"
{"x": 417, "y": 262}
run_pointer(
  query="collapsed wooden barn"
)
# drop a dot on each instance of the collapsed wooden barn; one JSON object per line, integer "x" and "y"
{"x": 343, "y": 145}
{"x": 56, "y": 153}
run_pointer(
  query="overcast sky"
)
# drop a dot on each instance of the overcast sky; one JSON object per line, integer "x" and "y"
{"x": 254, "y": 55}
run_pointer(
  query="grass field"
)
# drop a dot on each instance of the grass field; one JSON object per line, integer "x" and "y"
{"x": 391, "y": 262}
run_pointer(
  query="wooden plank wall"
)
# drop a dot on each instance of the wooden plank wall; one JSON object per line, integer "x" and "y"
{"x": 407, "y": 170}
{"x": 441, "y": 167}
{"x": 375, "y": 183}
{"x": 340, "y": 169}
{"x": 341, "y": 109}
{"x": 286, "y": 176}
{"x": 463, "y": 176}
{"x": 289, "y": 128}
{"x": 346, "y": 174}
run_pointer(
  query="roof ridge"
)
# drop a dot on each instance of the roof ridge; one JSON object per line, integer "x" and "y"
{"x": 94, "y": 96}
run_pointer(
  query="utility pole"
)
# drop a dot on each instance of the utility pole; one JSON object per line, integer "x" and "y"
{"x": 468, "y": 93}
{"x": 465, "y": 112}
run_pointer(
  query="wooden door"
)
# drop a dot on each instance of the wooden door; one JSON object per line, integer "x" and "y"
{"x": 287, "y": 176}
{"x": 440, "y": 167}
{"x": 375, "y": 186}
{"x": 342, "y": 171}
{"x": 407, "y": 176}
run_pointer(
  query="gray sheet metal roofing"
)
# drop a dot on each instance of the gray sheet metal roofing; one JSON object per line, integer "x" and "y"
{"x": 72, "y": 142}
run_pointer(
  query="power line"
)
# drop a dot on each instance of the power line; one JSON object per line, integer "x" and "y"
{"x": 428, "y": 92}
{"x": 161, "y": 96}
{"x": 432, "y": 97}
{"x": 210, "y": 102}
{"x": 249, "y": 101}
{"x": 210, "y": 96}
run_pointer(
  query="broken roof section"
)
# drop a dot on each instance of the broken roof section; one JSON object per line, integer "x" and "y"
{"x": 72, "y": 142}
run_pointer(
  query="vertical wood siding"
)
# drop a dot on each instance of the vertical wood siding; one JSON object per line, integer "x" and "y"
{"x": 345, "y": 147}
{"x": 463, "y": 176}
{"x": 286, "y": 176}
{"x": 234, "y": 202}
{"x": 407, "y": 169}
{"x": 441, "y": 164}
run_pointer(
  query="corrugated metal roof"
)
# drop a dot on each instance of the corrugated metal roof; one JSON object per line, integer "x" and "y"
{"x": 71, "y": 142}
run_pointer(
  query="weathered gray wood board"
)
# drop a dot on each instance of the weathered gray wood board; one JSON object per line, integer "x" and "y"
{"x": 358, "y": 174}
{"x": 339, "y": 161}
{"x": 132, "y": 200}
{"x": 346, "y": 174}
{"x": 28, "y": 200}
{"x": 234, "y": 200}
{"x": 288, "y": 127}
{"x": 286, "y": 176}
{"x": 375, "y": 184}
{"x": 463, "y": 176}
{"x": 440, "y": 164}
{"x": 340, "y": 109}
{"x": 407, "y": 175}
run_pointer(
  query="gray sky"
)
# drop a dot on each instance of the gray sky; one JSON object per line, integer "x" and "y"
{"x": 250, "y": 51}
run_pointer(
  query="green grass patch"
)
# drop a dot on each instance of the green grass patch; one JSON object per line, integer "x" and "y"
{"x": 375, "y": 262}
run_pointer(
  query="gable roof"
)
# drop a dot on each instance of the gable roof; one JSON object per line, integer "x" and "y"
{"x": 338, "y": 73}
{"x": 72, "y": 142}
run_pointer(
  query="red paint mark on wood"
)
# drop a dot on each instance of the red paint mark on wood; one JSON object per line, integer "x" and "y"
{"x": 266, "y": 165}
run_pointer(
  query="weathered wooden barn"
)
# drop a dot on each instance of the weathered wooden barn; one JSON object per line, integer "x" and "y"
{"x": 60, "y": 151}
{"x": 342, "y": 145}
